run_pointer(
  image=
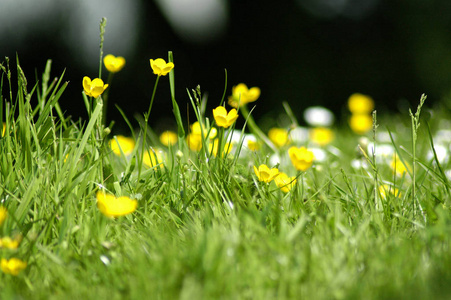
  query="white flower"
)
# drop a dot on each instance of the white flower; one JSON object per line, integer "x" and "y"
{"x": 299, "y": 135}
{"x": 234, "y": 136}
{"x": 249, "y": 139}
{"x": 319, "y": 154}
{"x": 441, "y": 152}
{"x": 318, "y": 116}
{"x": 275, "y": 159}
{"x": 442, "y": 136}
{"x": 383, "y": 151}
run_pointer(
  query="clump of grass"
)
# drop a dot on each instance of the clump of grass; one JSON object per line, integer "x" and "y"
{"x": 205, "y": 225}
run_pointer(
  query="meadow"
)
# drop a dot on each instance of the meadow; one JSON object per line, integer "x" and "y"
{"x": 357, "y": 209}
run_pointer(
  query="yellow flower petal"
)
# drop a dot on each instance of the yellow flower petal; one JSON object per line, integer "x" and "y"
{"x": 284, "y": 182}
{"x": 3, "y": 215}
{"x": 265, "y": 174}
{"x": 12, "y": 266}
{"x": 279, "y": 136}
{"x": 123, "y": 143}
{"x": 160, "y": 67}
{"x": 301, "y": 158}
{"x": 224, "y": 119}
{"x": 9, "y": 243}
{"x": 93, "y": 88}
{"x": 111, "y": 206}
{"x": 361, "y": 123}
{"x": 360, "y": 104}
{"x": 153, "y": 159}
{"x": 168, "y": 138}
{"x": 321, "y": 136}
{"x": 113, "y": 64}
{"x": 242, "y": 95}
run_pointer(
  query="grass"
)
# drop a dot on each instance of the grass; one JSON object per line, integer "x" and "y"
{"x": 205, "y": 227}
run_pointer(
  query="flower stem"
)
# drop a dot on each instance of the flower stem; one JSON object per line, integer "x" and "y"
{"x": 255, "y": 129}
{"x": 146, "y": 121}
{"x": 105, "y": 98}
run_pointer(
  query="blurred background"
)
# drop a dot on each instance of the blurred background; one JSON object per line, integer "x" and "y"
{"x": 305, "y": 52}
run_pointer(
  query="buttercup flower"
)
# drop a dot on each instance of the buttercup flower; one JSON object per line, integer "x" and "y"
{"x": 250, "y": 141}
{"x": 214, "y": 147}
{"x": 93, "y": 88}
{"x": 398, "y": 166}
{"x": 3, "y": 215}
{"x": 361, "y": 123}
{"x": 9, "y": 243}
{"x": 279, "y": 136}
{"x": 113, "y": 64}
{"x": 160, "y": 67}
{"x": 386, "y": 190}
{"x": 125, "y": 143}
{"x": 194, "y": 141}
{"x": 111, "y": 206}
{"x": 168, "y": 138}
{"x": 196, "y": 129}
{"x": 12, "y": 266}
{"x": 224, "y": 119}
{"x": 253, "y": 146}
{"x": 284, "y": 182}
{"x": 360, "y": 104}
{"x": 153, "y": 159}
{"x": 321, "y": 135}
{"x": 242, "y": 95}
{"x": 265, "y": 174}
{"x": 301, "y": 158}
{"x": 4, "y": 129}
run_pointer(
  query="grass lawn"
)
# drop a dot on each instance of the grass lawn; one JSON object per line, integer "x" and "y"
{"x": 354, "y": 210}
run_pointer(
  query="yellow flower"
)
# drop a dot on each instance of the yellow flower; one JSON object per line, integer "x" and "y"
{"x": 3, "y": 215}
{"x": 12, "y": 266}
{"x": 153, "y": 159}
{"x": 214, "y": 147}
{"x": 196, "y": 129}
{"x": 321, "y": 135}
{"x": 9, "y": 243}
{"x": 93, "y": 88}
{"x": 253, "y": 145}
{"x": 360, "y": 104}
{"x": 160, "y": 67}
{"x": 194, "y": 141}
{"x": 361, "y": 124}
{"x": 113, "y": 64}
{"x": 224, "y": 119}
{"x": 386, "y": 189}
{"x": 168, "y": 138}
{"x": 279, "y": 136}
{"x": 251, "y": 142}
{"x": 123, "y": 143}
{"x": 4, "y": 129}
{"x": 398, "y": 166}
{"x": 111, "y": 206}
{"x": 284, "y": 182}
{"x": 242, "y": 95}
{"x": 301, "y": 158}
{"x": 265, "y": 174}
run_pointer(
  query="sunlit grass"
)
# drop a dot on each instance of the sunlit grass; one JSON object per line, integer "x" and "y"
{"x": 216, "y": 211}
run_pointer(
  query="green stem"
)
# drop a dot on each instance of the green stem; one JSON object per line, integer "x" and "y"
{"x": 255, "y": 129}
{"x": 105, "y": 98}
{"x": 220, "y": 151}
{"x": 146, "y": 121}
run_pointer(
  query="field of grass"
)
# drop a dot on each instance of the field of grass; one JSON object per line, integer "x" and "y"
{"x": 85, "y": 214}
